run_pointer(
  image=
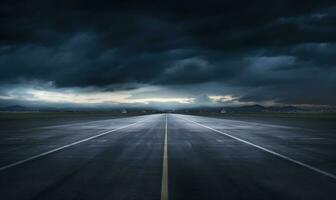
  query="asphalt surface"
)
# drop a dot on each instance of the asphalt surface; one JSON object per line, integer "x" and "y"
{"x": 167, "y": 156}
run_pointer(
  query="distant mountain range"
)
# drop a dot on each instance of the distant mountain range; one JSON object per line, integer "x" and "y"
{"x": 259, "y": 108}
{"x": 19, "y": 108}
{"x": 245, "y": 109}
{"x": 239, "y": 109}
{"x": 16, "y": 108}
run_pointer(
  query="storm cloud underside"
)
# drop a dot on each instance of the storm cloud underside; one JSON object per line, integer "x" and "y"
{"x": 168, "y": 52}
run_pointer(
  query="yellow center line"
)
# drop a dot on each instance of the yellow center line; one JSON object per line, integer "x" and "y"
{"x": 164, "y": 184}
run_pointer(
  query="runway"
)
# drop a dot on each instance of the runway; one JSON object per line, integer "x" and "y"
{"x": 167, "y": 156}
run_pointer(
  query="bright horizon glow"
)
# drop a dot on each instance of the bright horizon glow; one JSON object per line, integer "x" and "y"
{"x": 224, "y": 98}
{"x": 99, "y": 98}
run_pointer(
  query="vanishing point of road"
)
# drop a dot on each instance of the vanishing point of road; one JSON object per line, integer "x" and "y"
{"x": 167, "y": 156}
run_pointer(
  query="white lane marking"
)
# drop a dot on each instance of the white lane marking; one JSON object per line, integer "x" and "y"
{"x": 62, "y": 147}
{"x": 164, "y": 184}
{"x": 333, "y": 176}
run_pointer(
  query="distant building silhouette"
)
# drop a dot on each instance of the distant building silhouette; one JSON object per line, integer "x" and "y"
{"x": 223, "y": 111}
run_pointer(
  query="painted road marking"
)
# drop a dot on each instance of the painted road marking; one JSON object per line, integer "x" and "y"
{"x": 164, "y": 184}
{"x": 62, "y": 147}
{"x": 333, "y": 176}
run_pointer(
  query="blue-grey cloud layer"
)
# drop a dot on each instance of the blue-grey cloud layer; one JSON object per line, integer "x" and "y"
{"x": 271, "y": 50}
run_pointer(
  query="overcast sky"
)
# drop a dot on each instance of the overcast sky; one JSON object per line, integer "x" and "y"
{"x": 167, "y": 53}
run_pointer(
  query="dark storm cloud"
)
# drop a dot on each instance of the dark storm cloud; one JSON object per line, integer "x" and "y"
{"x": 274, "y": 50}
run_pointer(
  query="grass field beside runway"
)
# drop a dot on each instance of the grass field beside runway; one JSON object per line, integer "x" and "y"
{"x": 303, "y": 115}
{"x": 50, "y": 115}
